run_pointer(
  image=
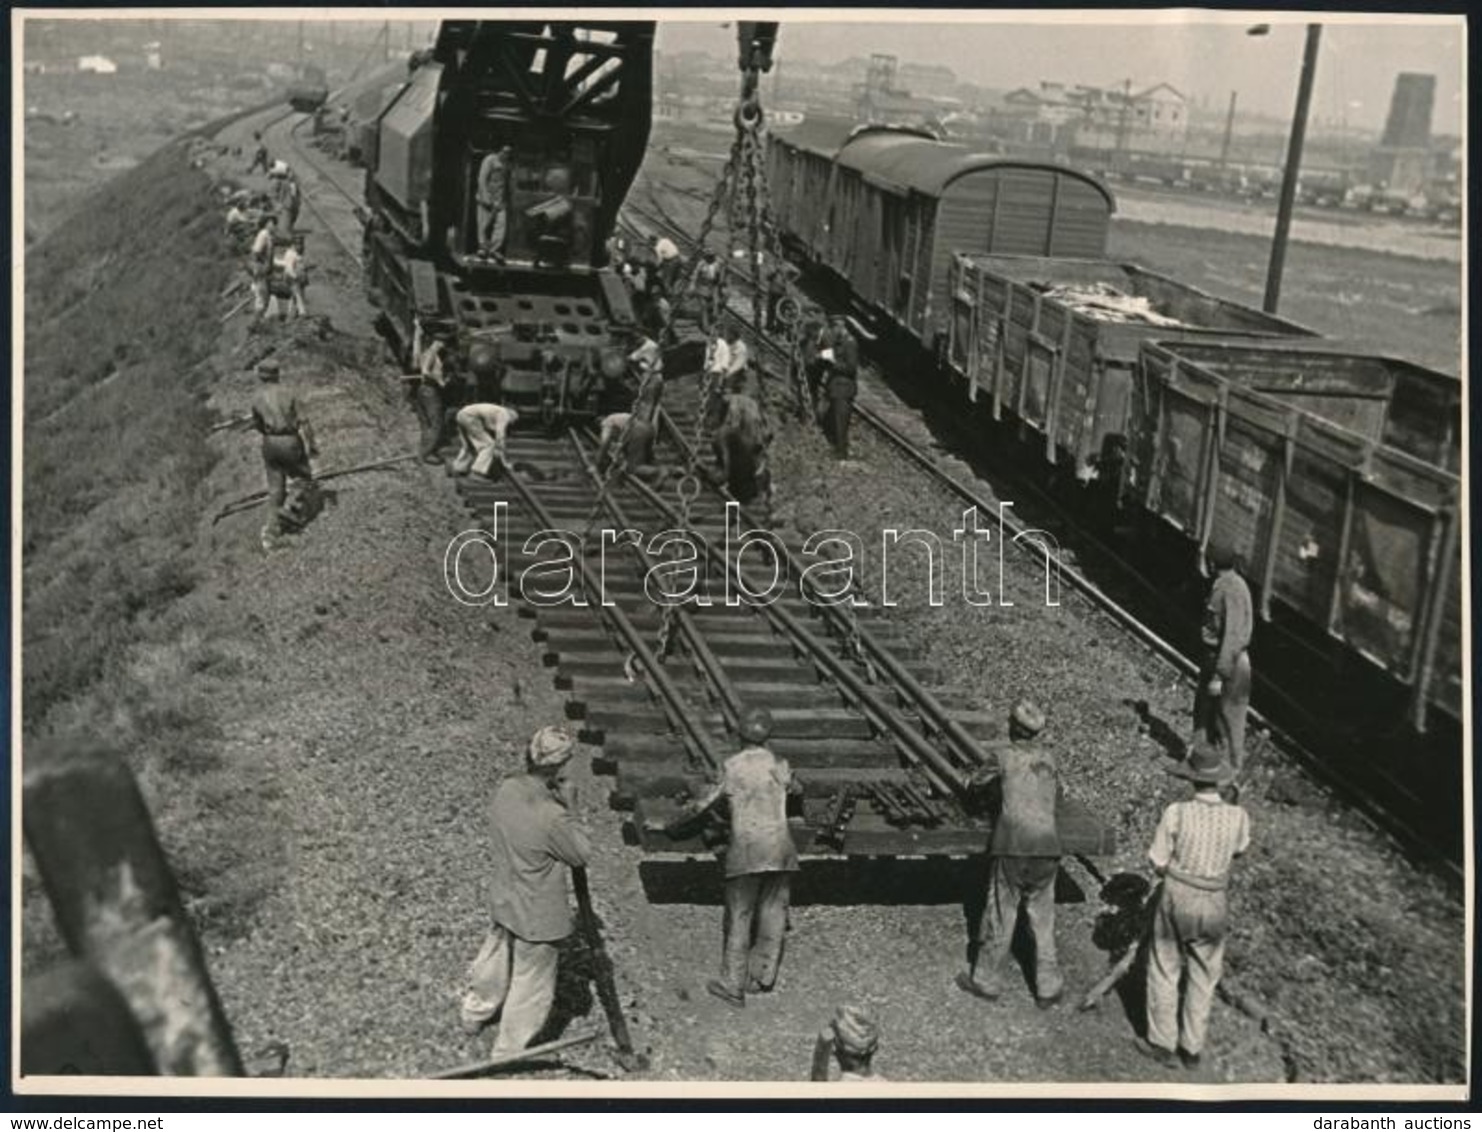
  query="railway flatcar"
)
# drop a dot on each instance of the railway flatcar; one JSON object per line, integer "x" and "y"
{"x": 542, "y": 325}
{"x": 885, "y": 209}
{"x": 1334, "y": 475}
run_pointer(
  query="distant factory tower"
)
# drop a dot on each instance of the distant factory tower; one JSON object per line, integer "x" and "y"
{"x": 1402, "y": 158}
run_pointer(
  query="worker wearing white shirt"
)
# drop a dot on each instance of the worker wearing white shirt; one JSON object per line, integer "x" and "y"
{"x": 481, "y": 430}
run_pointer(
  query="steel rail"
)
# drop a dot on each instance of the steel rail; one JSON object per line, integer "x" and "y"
{"x": 692, "y": 731}
{"x": 710, "y": 665}
{"x": 967, "y": 748}
{"x": 944, "y": 774}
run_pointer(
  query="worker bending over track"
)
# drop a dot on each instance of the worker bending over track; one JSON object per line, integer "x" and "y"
{"x": 481, "y": 430}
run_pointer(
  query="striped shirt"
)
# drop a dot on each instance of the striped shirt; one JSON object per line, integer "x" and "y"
{"x": 1197, "y": 840}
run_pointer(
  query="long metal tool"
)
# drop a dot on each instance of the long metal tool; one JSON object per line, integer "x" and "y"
{"x": 604, "y": 976}
{"x": 516, "y": 1057}
{"x": 258, "y": 497}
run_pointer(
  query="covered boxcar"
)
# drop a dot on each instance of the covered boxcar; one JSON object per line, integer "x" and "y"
{"x": 1333, "y": 474}
{"x": 1053, "y": 342}
{"x": 884, "y": 209}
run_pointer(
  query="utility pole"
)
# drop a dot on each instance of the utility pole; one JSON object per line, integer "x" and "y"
{"x": 1229, "y": 132}
{"x": 1293, "y": 167}
{"x": 1122, "y": 122}
{"x": 386, "y": 41}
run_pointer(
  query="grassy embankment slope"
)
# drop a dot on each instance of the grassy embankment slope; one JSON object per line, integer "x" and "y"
{"x": 121, "y": 319}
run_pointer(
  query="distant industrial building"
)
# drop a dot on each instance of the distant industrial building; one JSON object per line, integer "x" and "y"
{"x": 1154, "y": 119}
{"x": 1402, "y": 160}
{"x": 881, "y": 97}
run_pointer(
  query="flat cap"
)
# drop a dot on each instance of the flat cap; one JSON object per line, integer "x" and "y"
{"x": 1028, "y": 717}
{"x": 855, "y": 1030}
{"x": 550, "y": 747}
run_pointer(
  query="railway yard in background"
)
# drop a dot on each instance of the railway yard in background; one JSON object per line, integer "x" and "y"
{"x": 316, "y": 732}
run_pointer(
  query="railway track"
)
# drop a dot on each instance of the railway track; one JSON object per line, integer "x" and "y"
{"x": 1373, "y": 799}
{"x": 876, "y": 408}
{"x": 885, "y": 759}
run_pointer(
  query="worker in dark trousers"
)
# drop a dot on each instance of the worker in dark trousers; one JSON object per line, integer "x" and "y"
{"x": 287, "y": 445}
{"x": 1222, "y": 699}
{"x": 259, "y": 155}
{"x": 839, "y": 353}
{"x": 1023, "y": 859}
{"x": 759, "y": 863}
{"x": 292, "y": 200}
{"x": 428, "y": 396}
{"x": 741, "y": 444}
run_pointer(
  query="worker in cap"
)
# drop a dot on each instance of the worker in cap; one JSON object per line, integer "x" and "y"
{"x": 851, "y": 1038}
{"x": 759, "y": 861}
{"x": 1222, "y": 699}
{"x": 1193, "y": 850}
{"x": 428, "y": 386}
{"x": 1023, "y": 860}
{"x": 287, "y": 447}
{"x": 493, "y": 201}
{"x": 838, "y": 354}
{"x": 535, "y": 841}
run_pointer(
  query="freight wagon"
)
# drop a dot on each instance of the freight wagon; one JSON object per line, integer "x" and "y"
{"x": 1334, "y": 475}
{"x": 1053, "y": 342}
{"x": 1344, "y": 504}
{"x": 884, "y": 210}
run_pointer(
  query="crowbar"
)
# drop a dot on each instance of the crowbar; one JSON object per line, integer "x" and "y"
{"x": 257, "y": 497}
{"x": 515, "y": 1057}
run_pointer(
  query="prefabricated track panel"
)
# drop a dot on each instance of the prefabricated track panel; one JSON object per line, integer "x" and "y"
{"x": 1353, "y": 535}
{"x": 1060, "y": 371}
{"x": 886, "y": 209}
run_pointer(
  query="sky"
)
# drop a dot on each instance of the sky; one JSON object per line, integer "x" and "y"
{"x": 1357, "y": 62}
{"x": 1203, "y": 54}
